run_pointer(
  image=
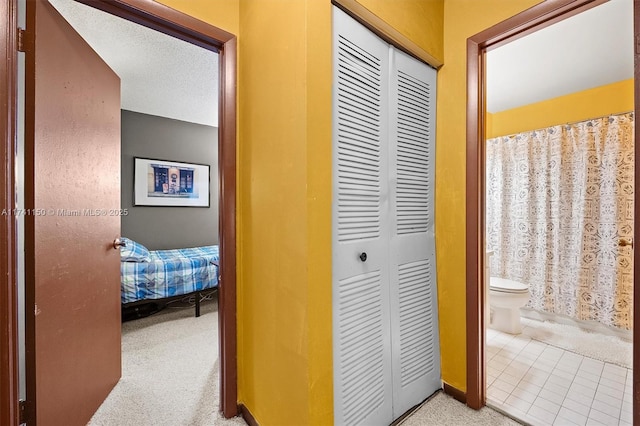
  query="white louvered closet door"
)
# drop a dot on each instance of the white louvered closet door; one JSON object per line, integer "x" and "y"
{"x": 362, "y": 342}
{"x": 386, "y": 356}
{"x": 412, "y": 274}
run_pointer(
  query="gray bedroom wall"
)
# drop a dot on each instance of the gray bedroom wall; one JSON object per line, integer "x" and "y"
{"x": 149, "y": 136}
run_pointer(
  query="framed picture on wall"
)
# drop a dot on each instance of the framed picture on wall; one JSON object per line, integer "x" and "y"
{"x": 170, "y": 183}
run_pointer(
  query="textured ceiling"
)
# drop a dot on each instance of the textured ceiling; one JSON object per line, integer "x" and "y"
{"x": 588, "y": 50}
{"x": 160, "y": 75}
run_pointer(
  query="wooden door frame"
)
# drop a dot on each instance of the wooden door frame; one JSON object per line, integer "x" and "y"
{"x": 530, "y": 20}
{"x": 9, "y": 412}
{"x": 171, "y": 22}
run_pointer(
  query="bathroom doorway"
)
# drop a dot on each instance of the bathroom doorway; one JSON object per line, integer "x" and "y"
{"x": 476, "y": 260}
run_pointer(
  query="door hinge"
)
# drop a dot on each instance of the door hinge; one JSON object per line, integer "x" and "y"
{"x": 21, "y": 41}
{"x": 22, "y": 411}
{"x": 637, "y": 45}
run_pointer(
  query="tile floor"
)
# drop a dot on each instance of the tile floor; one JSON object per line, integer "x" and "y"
{"x": 545, "y": 385}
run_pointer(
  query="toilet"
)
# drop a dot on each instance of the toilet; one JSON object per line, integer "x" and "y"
{"x": 506, "y": 297}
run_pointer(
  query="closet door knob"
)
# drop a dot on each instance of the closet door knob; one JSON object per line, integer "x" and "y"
{"x": 363, "y": 257}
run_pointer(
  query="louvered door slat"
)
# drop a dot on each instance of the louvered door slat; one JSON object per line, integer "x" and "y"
{"x": 361, "y": 360}
{"x": 411, "y": 151}
{"x": 359, "y": 87}
{"x": 413, "y": 131}
{"x": 412, "y": 276}
{"x": 362, "y": 342}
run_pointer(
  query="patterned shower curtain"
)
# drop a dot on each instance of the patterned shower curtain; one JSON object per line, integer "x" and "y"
{"x": 558, "y": 202}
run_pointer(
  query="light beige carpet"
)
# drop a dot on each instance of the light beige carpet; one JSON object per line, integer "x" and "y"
{"x": 443, "y": 410}
{"x": 169, "y": 372}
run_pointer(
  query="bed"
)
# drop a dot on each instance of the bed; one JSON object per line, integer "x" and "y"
{"x": 163, "y": 276}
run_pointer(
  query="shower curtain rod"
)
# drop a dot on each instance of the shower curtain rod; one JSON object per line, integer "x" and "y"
{"x": 594, "y": 118}
{"x": 565, "y": 124}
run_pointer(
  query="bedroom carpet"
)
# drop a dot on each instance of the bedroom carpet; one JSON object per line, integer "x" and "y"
{"x": 169, "y": 372}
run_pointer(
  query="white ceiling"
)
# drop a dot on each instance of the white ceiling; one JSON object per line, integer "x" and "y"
{"x": 160, "y": 75}
{"x": 591, "y": 49}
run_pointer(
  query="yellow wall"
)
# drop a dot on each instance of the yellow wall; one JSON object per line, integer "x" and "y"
{"x": 596, "y": 102}
{"x": 285, "y": 341}
{"x": 426, "y": 32}
{"x": 319, "y": 312}
{"x": 462, "y": 19}
{"x": 488, "y": 123}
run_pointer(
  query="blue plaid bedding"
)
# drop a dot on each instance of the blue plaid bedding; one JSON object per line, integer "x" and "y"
{"x": 170, "y": 273}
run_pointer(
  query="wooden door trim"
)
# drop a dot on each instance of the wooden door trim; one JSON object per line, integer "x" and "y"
{"x": 9, "y": 412}
{"x": 169, "y": 21}
{"x": 526, "y": 22}
{"x": 636, "y": 214}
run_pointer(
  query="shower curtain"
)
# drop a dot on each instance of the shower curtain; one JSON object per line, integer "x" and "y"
{"x": 558, "y": 201}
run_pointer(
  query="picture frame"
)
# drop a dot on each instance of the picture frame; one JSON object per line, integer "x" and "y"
{"x": 170, "y": 183}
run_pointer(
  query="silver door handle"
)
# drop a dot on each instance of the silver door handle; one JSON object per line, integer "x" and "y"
{"x": 117, "y": 243}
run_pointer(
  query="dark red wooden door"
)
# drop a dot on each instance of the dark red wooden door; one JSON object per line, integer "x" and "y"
{"x": 72, "y": 188}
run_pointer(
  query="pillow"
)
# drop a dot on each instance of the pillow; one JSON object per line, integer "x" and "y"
{"x": 133, "y": 252}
